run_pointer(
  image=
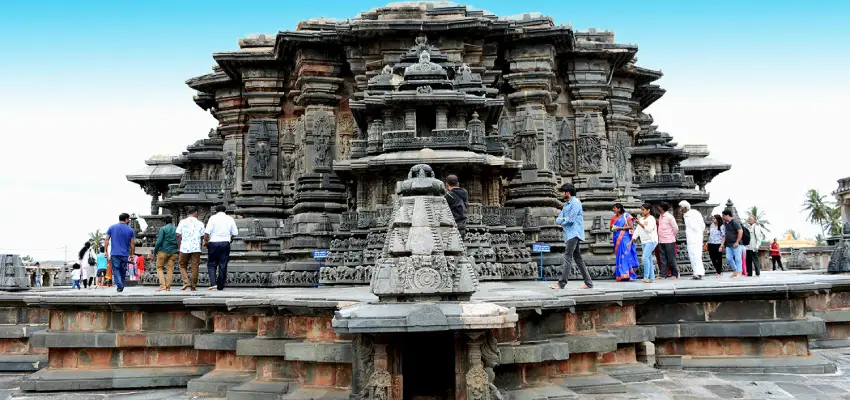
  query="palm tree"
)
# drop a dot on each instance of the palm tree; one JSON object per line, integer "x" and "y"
{"x": 96, "y": 239}
{"x": 819, "y": 240}
{"x": 793, "y": 233}
{"x": 818, "y": 209}
{"x": 834, "y": 223}
{"x": 760, "y": 216}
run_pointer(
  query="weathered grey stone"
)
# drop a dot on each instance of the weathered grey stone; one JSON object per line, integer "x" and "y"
{"x": 533, "y": 353}
{"x": 19, "y": 331}
{"x": 220, "y": 341}
{"x": 628, "y": 373}
{"x": 259, "y": 390}
{"x": 22, "y": 362}
{"x": 633, "y": 334}
{"x": 808, "y": 327}
{"x": 601, "y": 343}
{"x": 262, "y": 347}
{"x": 541, "y": 393}
{"x": 645, "y": 353}
{"x": 217, "y": 383}
{"x": 593, "y": 384}
{"x": 319, "y": 352}
{"x": 793, "y": 365}
{"x": 72, "y": 379}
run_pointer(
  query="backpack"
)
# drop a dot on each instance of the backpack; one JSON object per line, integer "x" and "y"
{"x": 91, "y": 259}
{"x": 745, "y": 238}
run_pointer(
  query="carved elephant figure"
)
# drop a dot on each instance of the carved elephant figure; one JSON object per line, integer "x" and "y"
{"x": 358, "y": 273}
{"x": 369, "y": 270}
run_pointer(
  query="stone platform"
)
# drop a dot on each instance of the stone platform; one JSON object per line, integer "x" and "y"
{"x": 263, "y": 343}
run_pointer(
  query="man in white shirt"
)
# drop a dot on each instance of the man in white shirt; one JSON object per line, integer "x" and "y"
{"x": 189, "y": 235}
{"x": 221, "y": 228}
{"x": 756, "y": 237}
{"x": 694, "y": 231}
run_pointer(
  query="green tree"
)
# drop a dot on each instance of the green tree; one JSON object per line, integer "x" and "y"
{"x": 820, "y": 240}
{"x": 96, "y": 239}
{"x": 26, "y": 258}
{"x": 760, "y": 216}
{"x": 834, "y": 223}
{"x": 818, "y": 208}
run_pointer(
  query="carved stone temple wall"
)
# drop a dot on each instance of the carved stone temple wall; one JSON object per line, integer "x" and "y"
{"x": 316, "y": 126}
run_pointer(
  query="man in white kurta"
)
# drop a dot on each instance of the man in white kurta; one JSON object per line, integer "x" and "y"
{"x": 694, "y": 231}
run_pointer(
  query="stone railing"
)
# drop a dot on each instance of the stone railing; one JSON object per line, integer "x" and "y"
{"x": 436, "y": 139}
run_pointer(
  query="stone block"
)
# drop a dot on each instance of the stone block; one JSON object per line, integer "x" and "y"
{"x": 550, "y": 392}
{"x": 593, "y": 384}
{"x": 749, "y": 365}
{"x": 319, "y": 352}
{"x": 49, "y": 379}
{"x": 645, "y": 353}
{"x": 653, "y": 313}
{"x": 629, "y": 373}
{"x": 216, "y": 383}
{"x": 19, "y": 331}
{"x": 533, "y": 353}
{"x": 220, "y": 341}
{"x": 22, "y": 362}
{"x": 600, "y": 343}
{"x": 260, "y": 390}
{"x": 262, "y": 347}
{"x": 633, "y": 334}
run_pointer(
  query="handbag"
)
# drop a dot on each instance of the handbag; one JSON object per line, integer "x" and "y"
{"x": 91, "y": 260}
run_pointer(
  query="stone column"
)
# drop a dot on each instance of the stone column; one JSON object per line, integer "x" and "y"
{"x": 621, "y": 120}
{"x": 233, "y": 124}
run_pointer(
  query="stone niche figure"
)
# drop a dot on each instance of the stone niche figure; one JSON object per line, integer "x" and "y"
{"x": 287, "y": 164}
{"x": 261, "y": 166}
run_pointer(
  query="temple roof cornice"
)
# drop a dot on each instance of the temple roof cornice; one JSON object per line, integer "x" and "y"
{"x": 210, "y": 82}
{"x": 641, "y": 76}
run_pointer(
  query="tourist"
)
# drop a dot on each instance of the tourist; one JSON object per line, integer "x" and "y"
{"x": 131, "y": 267}
{"x": 624, "y": 248}
{"x": 189, "y": 234}
{"x": 667, "y": 231}
{"x": 140, "y": 266}
{"x": 87, "y": 263}
{"x": 646, "y": 230}
{"x": 221, "y": 228}
{"x": 165, "y": 251}
{"x": 123, "y": 241}
{"x": 102, "y": 262}
{"x": 732, "y": 235}
{"x": 775, "y": 257}
{"x": 458, "y": 199}
{"x": 694, "y": 231}
{"x": 571, "y": 219}
{"x": 76, "y": 275}
{"x": 715, "y": 239}
{"x": 756, "y": 237}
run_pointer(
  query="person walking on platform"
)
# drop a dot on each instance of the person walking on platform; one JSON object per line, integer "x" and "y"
{"x": 756, "y": 237}
{"x": 732, "y": 237}
{"x": 694, "y": 231}
{"x": 190, "y": 232}
{"x": 775, "y": 256}
{"x": 714, "y": 247}
{"x": 221, "y": 228}
{"x": 123, "y": 241}
{"x": 646, "y": 230}
{"x": 572, "y": 220}
{"x": 668, "y": 229}
{"x": 165, "y": 252}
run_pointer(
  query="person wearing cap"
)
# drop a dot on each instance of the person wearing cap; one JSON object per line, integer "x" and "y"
{"x": 571, "y": 219}
{"x": 189, "y": 234}
{"x": 694, "y": 231}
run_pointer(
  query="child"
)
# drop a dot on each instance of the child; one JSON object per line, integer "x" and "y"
{"x": 101, "y": 267}
{"x": 76, "y": 274}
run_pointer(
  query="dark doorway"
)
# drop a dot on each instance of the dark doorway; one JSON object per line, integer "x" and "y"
{"x": 428, "y": 366}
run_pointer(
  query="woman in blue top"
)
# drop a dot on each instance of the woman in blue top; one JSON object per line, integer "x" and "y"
{"x": 624, "y": 248}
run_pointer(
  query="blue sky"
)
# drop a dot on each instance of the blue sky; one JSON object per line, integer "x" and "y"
{"x": 90, "y": 89}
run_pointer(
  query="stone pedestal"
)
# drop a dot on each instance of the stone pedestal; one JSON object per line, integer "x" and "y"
{"x": 18, "y": 323}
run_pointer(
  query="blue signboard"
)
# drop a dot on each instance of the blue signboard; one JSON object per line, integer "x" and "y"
{"x": 320, "y": 254}
{"x": 540, "y": 248}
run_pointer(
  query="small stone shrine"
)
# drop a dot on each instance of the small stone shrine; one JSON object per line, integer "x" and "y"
{"x": 317, "y": 125}
{"x": 13, "y": 273}
{"x": 423, "y": 282}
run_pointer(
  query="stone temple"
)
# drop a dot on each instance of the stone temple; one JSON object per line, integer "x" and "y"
{"x": 317, "y": 126}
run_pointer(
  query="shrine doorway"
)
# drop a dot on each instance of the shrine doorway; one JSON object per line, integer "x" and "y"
{"x": 428, "y": 366}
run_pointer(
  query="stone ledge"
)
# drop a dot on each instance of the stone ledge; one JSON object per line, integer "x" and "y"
{"x": 542, "y": 393}
{"x": 829, "y": 343}
{"x": 629, "y": 373}
{"x": 812, "y": 327}
{"x": 220, "y": 341}
{"x": 317, "y": 394}
{"x": 19, "y": 331}
{"x": 218, "y": 382}
{"x": 22, "y": 362}
{"x": 533, "y": 353}
{"x": 259, "y": 390}
{"x": 632, "y": 334}
{"x": 49, "y": 379}
{"x": 593, "y": 384}
{"x": 599, "y": 343}
{"x": 319, "y": 352}
{"x": 110, "y": 339}
{"x": 422, "y": 317}
{"x": 262, "y": 347}
{"x": 832, "y": 315}
{"x": 813, "y": 364}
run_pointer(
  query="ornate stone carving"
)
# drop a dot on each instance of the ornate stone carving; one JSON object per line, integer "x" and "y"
{"x": 621, "y": 155}
{"x": 590, "y": 154}
{"x": 287, "y": 166}
{"x": 229, "y": 166}
{"x": 528, "y": 147}
{"x": 262, "y": 148}
{"x": 346, "y": 130}
{"x": 322, "y": 133}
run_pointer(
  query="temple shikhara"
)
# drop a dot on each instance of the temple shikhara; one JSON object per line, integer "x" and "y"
{"x": 316, "y": 126}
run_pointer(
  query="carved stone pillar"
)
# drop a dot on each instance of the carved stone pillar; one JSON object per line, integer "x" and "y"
{"x": 621, "y": 119}
{"x": 233, "y": 124}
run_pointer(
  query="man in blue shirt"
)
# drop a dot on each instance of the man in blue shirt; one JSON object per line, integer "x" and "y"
{"x": 122, "y": 238}
{"x": 572, "y": 220}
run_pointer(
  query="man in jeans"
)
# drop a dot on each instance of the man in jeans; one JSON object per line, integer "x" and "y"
{"x": 572, "y": 220}
{"x": 190, "y": 231}
{"x": 165, "y": 251}
{"x": 732, "y": 242}
{"x": 668, "y": 229}
{"x": 220, "y": 229}
{"x": 756, "y": 237}
{"x": 123, "y": 241}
